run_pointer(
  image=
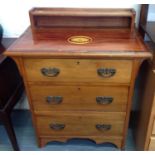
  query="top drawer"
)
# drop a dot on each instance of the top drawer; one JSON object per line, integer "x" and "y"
{"x": 78, "y": 70}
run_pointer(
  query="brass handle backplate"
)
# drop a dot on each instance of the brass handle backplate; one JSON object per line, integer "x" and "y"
{"x": 103, "y": 127}
{"x": 54, "y": 99}
{"x": 106, "y": 72}
{"x": 50, "y": 72}
{"x": 56, "y": 126}
{"x": 104, "y": 100}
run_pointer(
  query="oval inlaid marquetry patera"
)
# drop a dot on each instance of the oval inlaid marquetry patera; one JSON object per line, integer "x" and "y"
{"x": 79, "y": 39}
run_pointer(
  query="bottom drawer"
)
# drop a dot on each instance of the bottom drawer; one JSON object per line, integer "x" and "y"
{"x": 81, "y": 123}
{"x": 152, "y": 144}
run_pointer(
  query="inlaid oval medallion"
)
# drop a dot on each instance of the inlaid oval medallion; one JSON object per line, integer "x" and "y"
{"x": 79, "y": 40}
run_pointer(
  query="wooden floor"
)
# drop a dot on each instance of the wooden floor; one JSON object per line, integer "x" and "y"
{"x": 26, "y": 138}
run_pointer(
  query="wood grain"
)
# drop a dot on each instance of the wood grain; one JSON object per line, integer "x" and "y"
{"x": 78, "y": 82}
{"x": 78, "y": 123}
{"x": 79, "y": 98}
{"x": 136, "y": 66}
{"x": 78, "y": 70}
{"x": 43, "y": 18}
{"x": 107, "y": 43}
{"x": 81, "y": 12}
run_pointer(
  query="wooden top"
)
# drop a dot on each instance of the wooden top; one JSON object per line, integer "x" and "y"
{"x": 54, "y": 35}
{"x": 82, "y": 12}
{"x": 149, "y": 28}
{"x": 106, "y": 43}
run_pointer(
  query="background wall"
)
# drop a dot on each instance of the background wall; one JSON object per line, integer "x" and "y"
{"x": 151, "y": 15}
{"x": 14, "y": 13}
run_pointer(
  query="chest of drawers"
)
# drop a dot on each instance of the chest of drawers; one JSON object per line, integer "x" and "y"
{"x": 79, "y": 75}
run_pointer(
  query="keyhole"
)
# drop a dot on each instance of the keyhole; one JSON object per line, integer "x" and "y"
{"x": 77, "y": 62}
{"x": 79, "y": 88}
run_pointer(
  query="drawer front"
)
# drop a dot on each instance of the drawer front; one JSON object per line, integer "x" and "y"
{"x": 74, "y": 70}
{"x": 94, "y": 124}
{"x": 152, "y": 144}
{"x": 48, "y": 98}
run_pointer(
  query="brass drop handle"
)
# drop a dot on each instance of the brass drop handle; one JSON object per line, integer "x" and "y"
{"x": 50, "y": 72}
{"x": 56, "y": 126}
{"x": 103, "y": 127}
{"x": 104, "y": 100}
{"x": 54, "y": 99}
{"x": 153, "y": 71}
{"x": 106, "y": 72}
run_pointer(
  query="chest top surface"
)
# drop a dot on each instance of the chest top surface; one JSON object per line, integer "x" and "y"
{"x": 90, "y": 33}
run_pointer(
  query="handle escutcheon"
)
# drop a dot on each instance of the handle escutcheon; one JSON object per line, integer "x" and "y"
{"x": 104, "y": 100}
{"x": 50, "y": 72}
{"x": 54, "y": 99}
{"x": 103, "y": 127}
{"x": 56, "y": 126}
{"x": 106, "y": 72}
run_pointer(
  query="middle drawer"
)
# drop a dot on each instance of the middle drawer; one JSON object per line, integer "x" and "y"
{"x": 103, "y": 98}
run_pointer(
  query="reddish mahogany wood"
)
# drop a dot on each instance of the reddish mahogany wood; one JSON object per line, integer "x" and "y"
{"x": 106, "y": 43}
{"x": 41, "y": 18}
{"x": 82, "y": 12}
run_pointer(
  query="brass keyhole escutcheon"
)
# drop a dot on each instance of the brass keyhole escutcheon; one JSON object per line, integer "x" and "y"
{"x": 77, "y": 62}
{"x": 79, "y": 40}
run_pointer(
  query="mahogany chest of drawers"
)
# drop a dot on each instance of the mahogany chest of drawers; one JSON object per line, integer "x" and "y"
{"x": 79, "y": 68}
